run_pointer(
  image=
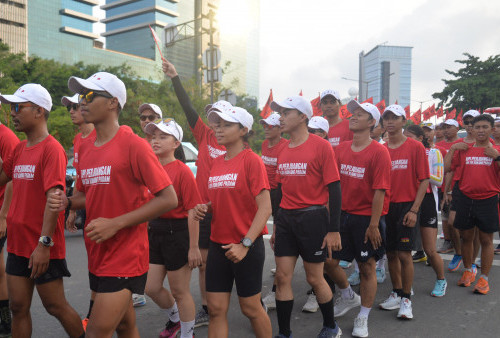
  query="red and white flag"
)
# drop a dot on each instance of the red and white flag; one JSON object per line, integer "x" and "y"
{"x": 266, "y": 110}
{"x": 157, "y": 40}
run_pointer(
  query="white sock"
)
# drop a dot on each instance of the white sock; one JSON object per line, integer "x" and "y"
{"x": 364, "y": 311}
{"x": 485, "y": 277}
{"x": 347, "y": 293}
{"x": 187, "y": 329}
{"x": 381, "y": 262}
{"x": 356, "y": 267}
{"x": 173, "y": 313}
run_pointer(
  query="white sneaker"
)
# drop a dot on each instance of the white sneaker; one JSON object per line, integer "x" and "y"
{"x": 405, "y": 310}
{"x": 270, "y": 300}
{"x": 360, "y": 327}
{"x": 343, "y": 305}
{"x": 273, "y": 271}
{"x": 391, "y": 303}
{"x": 138, "y": 300}
{"x": 311, "y": 305}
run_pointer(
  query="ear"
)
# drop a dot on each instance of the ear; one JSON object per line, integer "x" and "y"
{"x": 114, "y": 104}
{"x": 177, "y": 144}
{"x": 39, "y": 112}
{"x": 243, "y": 131}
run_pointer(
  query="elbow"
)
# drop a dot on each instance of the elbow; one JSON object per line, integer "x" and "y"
{"x": 169, "y": 199}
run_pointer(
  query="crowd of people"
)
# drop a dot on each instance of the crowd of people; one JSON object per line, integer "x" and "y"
{"x": 364, "y": 191}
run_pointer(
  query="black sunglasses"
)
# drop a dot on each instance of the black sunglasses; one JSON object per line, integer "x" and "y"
{"x": 73, "y": 106}
{"x": 150, "y": 118}
{"x": 89, "y": 96}
{"x": 17, "y": 106}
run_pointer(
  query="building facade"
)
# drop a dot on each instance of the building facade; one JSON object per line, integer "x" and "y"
{"x": 13, "y": 25}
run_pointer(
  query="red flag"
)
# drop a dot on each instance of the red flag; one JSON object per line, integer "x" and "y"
{"x": 300, "y": 94}
{"x": 433, "y": 110}
{"x": 266, "y": 111}
{"x": 157, "y": 40}
{"x": 369, "y": 100}
{"x": 407, "y": 111}
{"x": 452, "y": 114}
{"x": 427, "y": 114}
{"x": 381, "y": 106}
{"x": 440, "y": 112}
{"x": 315, "y": 103}
{"x": 459, "y": 118}
{"x": 344, "y": 113}
{"x": 417, "y": 117}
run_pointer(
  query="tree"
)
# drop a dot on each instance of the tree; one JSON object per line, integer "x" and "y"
{"x": 475, "y": 85}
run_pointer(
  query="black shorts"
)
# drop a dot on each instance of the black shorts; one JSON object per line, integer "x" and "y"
{"x": 168, "y": 242}
{"x": 440, "y": 195}
{"x": 456, "y": 194}
{"x": 300, "y": 232}
{"x": 482, "y": 214}
{"x": 221, "y": 273}
{"x": 428, "y": 212}
{"x": 398, "y": 236}
{"x": 135, "y": 284}
{"x": 205, "y": 228}
{"x": 352, "y": 233}
{"x": 18, "y": 266}
{"x": 2, "y": 241}
{"x": 275, "y": 202}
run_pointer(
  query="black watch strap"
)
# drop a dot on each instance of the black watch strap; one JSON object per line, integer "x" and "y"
{"x": 70, "y": 203}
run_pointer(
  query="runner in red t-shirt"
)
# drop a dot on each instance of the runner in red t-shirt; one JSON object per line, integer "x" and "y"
{"x": 35, "y": 244}
{"x": 409, "y": 182}
{"x": 477, "y": 204}
{"x": 308, "y": 180}
{"x": 173, "y": 237}
{"x": 496, "y": 132}
{"x": 365, "y": 175}
{"x": 114, "y": 173}
{"x": 238, "y": 189}
{"x": 208, "y": 151}
{"x": 439, "y": 136}
{"x": 339, "y": 129}
{"x": 318, "y": 126}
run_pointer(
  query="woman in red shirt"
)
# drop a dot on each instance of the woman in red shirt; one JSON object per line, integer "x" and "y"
{"x": 238, "y": 190}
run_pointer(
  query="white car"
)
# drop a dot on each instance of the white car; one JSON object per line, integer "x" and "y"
{"x": 191, "y": 156}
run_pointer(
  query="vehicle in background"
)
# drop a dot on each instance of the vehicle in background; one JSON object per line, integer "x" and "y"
{"x": 191, "y": 156}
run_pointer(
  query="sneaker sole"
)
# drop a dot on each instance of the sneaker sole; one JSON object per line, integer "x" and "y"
{"x": 420, "y": 260}
{"x": 437, "y": 296}
{"x": 480, "y": 292}
{"x": 140, "y": 304}
{"x": 201, "y": 324}
{"x": 389, "y": 308}
{"x": 340, "y": 314}
{"x": 359, "y": 335}
{"x": 445, "y": 251}
{"x": 465, "y": 285}
{"x": 456, "y": 268}
{"x": 310, "y": 310}
{"x": 405, "y": 317}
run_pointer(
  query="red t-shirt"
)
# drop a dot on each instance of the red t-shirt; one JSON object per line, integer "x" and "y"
{"x": 115, "y": 178}
{"x": 305, "y": 172}
{"x": 409, "y": 167}
{"x": 8, "y": 141}
{"x": 185, "y": 187}
{"x": 208, "y": 150}
{"x": 232, "y": 187}
{"x": 478, "y": 173}
{"x": 77, "y": 141}
{"x": 270, "y": 158}
{"x": 339, "y": 133}
{"x": 361, "y": 173}
{"x": 34, "y": 171}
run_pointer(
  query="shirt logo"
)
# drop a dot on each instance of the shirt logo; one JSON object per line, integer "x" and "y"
{"x": 76, "y": 158}
{"x": 222, "y": 181}
{"x": 399, "y": 164}
{"x": 478, "y": 160}
{"x": 214, "y": 152}
{"x": 364, "y": 253}
{"x": 98, "y": 175}
{"x": 24, "y": 172}
{"x": 292, "y": 169}
{"x": 271, "y": 161}
{"x": 352, "y": 171}
{"x": 334, "y": 141}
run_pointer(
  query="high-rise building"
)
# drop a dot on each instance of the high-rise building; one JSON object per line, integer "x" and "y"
{"x": 385, "y": 74}
{"x": 13, "y": 25}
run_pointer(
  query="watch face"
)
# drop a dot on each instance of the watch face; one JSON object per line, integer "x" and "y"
{"x": 46, "y": 241}
{"x": 247, "y": 242}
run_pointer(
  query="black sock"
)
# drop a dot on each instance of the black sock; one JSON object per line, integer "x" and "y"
{"x": 4, "y": 303}
{"x": 274, "y": 288}
{"x": 284, "y": 313}
{"x": 327, "y": 312}
{"x": 83, "y": 335}
{"x": 405, "y": 295}
{"x": 205, "y": 308}
{"x": 399, "y": 292}
{"x": 330, "y": 282}
{"x": 90, "y": 308}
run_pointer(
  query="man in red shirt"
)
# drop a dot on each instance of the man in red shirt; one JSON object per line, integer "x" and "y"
{"x": 409, "y": 182}
{"x": 303, "y": 225}
{"x": 339, "y": 129}
{"x": 439, "y": 132}
{"x": 35, "y": 240}
{"x": 148, "y": 112}
{"x": 365, "y": 176}
{"x": 478, "y": 169}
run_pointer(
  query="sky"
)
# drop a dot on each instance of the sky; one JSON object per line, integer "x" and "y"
{"x": 311, "y": 45}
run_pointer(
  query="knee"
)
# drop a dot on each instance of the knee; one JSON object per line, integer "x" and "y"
{"x": 405, "y": 256}
{"x": 18, "y": 308}
{"x": 124, "y": 327}
{"x": 216, "y": 309}
{"x": 153, "y": 289}
{"x": 283, "y": 278}
{"x": 55, "y": 309}
{"x": 391, "y": 255}
{"x": 314, "y": 280}
{"x": 251, "y": 312}
{"x": 179, "y": 293}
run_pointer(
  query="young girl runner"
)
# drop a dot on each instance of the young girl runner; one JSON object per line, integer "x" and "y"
{"x": 173, "y": 237}
{"x": 238, "y": 190}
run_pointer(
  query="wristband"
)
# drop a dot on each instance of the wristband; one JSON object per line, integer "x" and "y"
{"x": 68, "y": 208}
{"x": 415, "y": 212}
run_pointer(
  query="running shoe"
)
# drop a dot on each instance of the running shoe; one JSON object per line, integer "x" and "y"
{"x": 354, "y": 278}
{"x": 344, "y": 264}
{"x": 138, "y": 300}
{"x": 311, "y": 305}
{"x": 439, "y": 288}
{"x": 273, "y": 271}
{"x": 405, "y": 309}
{"x": 327, "y": 332}
{"x": 446, "y": 247}
{"x": 467, "y": 279}
{"x": 482, "y": 286}
{"x": 380, "y": 275}
{"x": 441, "y": 235}
{"x": 171, "y": 329}
{"x": 474, "y": 269}
{"x": 343, "y": 305}
{"x": 392, "y": 302}
{"x": 497, "y": 250}
{"x": 270, "y": 300}
{"x": 455, "y": 263}
{"x": 85, "y": 322}
{"x": 201, "y": 318}
{"x": 360, "y": 327}
{"x": 419, "y": 256}
{"x": 478, "y": 263}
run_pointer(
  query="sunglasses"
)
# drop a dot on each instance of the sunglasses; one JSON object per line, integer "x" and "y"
{"x": 73, "y": 106}
{"x": 315, "y": 131}
{"x": 18, "y": 106}
{"x": 89, "y": 97}
{"x": 268, "y": 126}
{"x": 150, "y": 118}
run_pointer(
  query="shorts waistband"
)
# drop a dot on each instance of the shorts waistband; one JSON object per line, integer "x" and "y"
{"x": 310, "y": 208}
{"x": 168, "y": 225}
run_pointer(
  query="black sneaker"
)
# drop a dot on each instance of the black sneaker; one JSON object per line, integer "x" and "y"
{"x": 5, "y": 329}
{"x": 419, "y": 256}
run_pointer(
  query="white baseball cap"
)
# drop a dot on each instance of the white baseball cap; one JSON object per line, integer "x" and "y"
{"x": 367, "y": 107}
{"x": 472, "y": 112}
{"x": 428, "y": 125}
{"x": 235, "y": 115}
{"x": 151, "y": 106}
{"x": 67, "y": 100}
{"x": 272, "y": 120}
{"x": 294, "y": 102}
{"x": 101, "y": 81}
{"x": 318, "y": 122}
{"x": 331, "y": 92}
{"x": 452, "y": 122}
{"x": 168, "y": 126}
{"x": 497, "y": 119}
{"x": 396, "y": 109}
{"x": 30, "y": 92}
{"x": 219, "y": 105}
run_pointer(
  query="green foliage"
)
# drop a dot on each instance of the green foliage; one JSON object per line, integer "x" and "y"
{"x": 475, "y": 85}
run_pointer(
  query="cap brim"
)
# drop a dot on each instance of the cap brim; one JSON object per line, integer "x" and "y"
{"x": 77, "y": 85}
{"x": 66, "y": 101}
{"x": 207, "y": 108}
{"x": 352, "y": 106}
{"x": 12, "y": 99}
{"x": 275, "y": 106}
{"x": 214, "y": 115}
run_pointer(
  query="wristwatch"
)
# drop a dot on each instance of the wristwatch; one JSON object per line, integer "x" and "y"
{"x": 247, "y": 242}
{"x": 46, "y": 241}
